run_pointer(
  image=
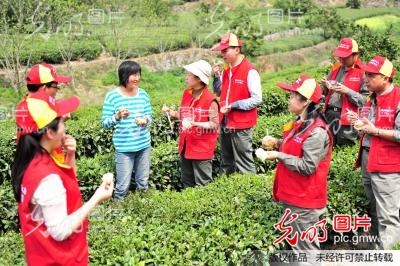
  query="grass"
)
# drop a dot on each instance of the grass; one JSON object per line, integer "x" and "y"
{"x": 290, "y": 44}
{"x": 163, "y": 87}
{"x": 379, "y": 23}
{"x": 355, "y": 14}
{"x": 9, "y": 97}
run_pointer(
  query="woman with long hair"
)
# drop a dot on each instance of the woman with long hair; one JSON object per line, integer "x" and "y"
{"x": 53, "y": 219}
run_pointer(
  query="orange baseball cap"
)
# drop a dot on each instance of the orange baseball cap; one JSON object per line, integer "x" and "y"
{"x": 39, "y": 109}
{"x": 306, "y": 86}
{"x": 346, "y": 47}
{"x": 45, "y": 73}
{"x": 381, "y": 65}
{"x": 227, "y": 40}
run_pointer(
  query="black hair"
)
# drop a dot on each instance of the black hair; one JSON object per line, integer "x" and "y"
{"x": 27, "y": 148}
{"x": 36, "y": 87}
{"x": 201, "y": 82}
{"x": 240, "y": 48}
{"x": 313, "y": 111}
{"x": 391, "y": 80}
{"x": 126, "y": 69}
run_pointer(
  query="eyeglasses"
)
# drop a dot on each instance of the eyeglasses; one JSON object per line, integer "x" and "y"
{"x": 54, "y": 87}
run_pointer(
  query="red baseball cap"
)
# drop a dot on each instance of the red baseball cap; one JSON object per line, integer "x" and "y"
{"x": 306, "y": 86}
{"x": 381, "y": 65}
{"x": 346, "y": 47}
{"x": 45, "y": 73}
{"x": 227, "y": 40}
{"x": 39, "y": 109}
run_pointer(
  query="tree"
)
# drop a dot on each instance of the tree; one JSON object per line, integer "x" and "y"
{"x": 13, "y": 40}
{"x": 332, "y": 25}
{"x": 356, "y": 4}
{"x": 303, "y": 6}
{"x": 247, "y": 31}
{"x": 375, "y": 43}
{"x": 20, "y": 20}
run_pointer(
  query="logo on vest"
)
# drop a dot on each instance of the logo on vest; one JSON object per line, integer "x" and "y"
{"x": 239, "y": 81}
{"x": 354, "y": 79}
{"x": 298, "y": 140}
{"x": 23, "y": 193}
{"x": 387, "y": 113}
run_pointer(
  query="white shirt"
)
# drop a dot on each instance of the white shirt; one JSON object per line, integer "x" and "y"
{"x": 50, "y": 207}
{"x": 255, "y": 90}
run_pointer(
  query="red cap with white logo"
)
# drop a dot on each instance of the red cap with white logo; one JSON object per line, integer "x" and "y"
{"x": 306, "y": 86}
{"x": 379, "y": 65}
{"x": 346, "y": 47}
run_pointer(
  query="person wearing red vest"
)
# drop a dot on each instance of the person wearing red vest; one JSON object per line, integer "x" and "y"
{"x": 239, "y": 89}
{"x": 44, "y": 77}
{"x": 53, "y": 220}
{"x": 346, "y": 90}
{"x": 198, "y": 115}
{"x": 379, "y": 155}
{"x": 304, "y": 156}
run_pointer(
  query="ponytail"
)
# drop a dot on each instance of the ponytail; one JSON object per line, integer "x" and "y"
{"x": 27, "y": 148}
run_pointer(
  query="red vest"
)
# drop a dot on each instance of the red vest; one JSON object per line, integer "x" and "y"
{"x": 40, "y": 247}
{"x": 294, "y": 188}
{"x": 200, "y": 143}
{"x": 384, "y": 155}
{"x": 351, "y": 80}
{"x": 236, "y": 89}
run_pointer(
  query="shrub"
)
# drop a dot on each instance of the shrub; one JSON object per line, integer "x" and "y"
{"x": 165, "y": 167}
{"x": 345, "y": 192}
{"x": 91, "y": 138}
{"x": 7, "y": 148}
{"x": 12, "y": 249}
{"x": 8, "y": 208}
{"x": 275, "y": 101}
{"x": 90, "y": 171}
{"x": 48, "y": 51}
{"x": 292, "y": 5}
{"x": 161, "y": 131}
{"x": 222, "y": 223}
{"x": 355, "y": 4}
{"x": 268, "y": 125}
{"x": 375, "y": 43}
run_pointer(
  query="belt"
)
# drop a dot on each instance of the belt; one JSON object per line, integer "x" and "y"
{"x": 335, "y": 109}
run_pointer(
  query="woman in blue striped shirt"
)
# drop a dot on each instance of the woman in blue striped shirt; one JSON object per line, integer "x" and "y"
{"x": 127, "y": 108}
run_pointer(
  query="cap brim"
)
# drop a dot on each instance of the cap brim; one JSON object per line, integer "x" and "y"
{"x": 285, "y": 86}
{"x": 369, "y": 69}
{"x": 62, "y": 79}
{"x": 68, "y": 105}
{"x": 341, "y": 54}
{"x": 219, "y": 47}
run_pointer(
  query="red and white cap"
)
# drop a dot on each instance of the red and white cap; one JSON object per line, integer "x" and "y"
{"x": 227, "y": 40}
{"x": 379, "y": 65}
{"x": 306, "y": 86}
{"x": 346, "y": 47}
{"x": 45, "y": 73}
{"x": 40, "y": 109}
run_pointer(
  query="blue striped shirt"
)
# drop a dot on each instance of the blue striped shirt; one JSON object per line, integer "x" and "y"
{"x": 128, "y": 136}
